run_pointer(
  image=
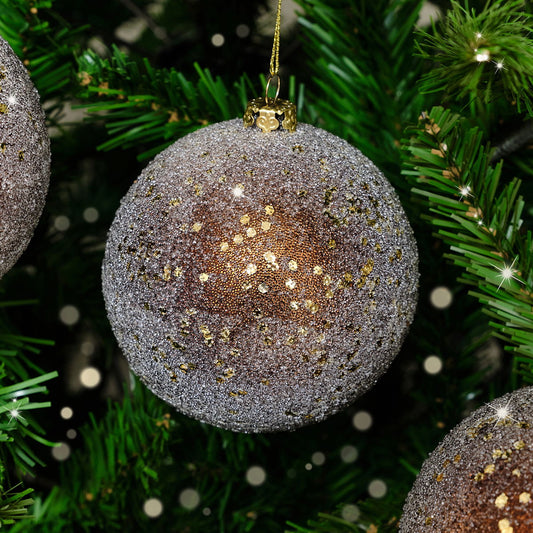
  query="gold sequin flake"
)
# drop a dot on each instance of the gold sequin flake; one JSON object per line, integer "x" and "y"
{"x": 204, "y": 277}
{"x": 269, "y": 257}
{"x": 294, "y": 305}
{"x": 250, "y": 232}
{"x": 293, "y": 265}
{"x": 178, "y": 271}
{"x": 266, "y": 225}
{"x": 224, "y": 246}
{"x": 196, "y": 227}
{"x": 251, "y": 269}
{"x": 318, "y": 270}
{"x": 525, "y": 497}
{"x": 262, "y": 288}
{"x": 501, "y": 501}
{"x": 505, "y": 526}
{"x": 489, "y": 469}
{"x": 238, "y": 239}
{"x": 245, "y": 219}
{"x": 290, "y": 283}
{"x": 269, "y": 210}
{"x": 332, "y": 244}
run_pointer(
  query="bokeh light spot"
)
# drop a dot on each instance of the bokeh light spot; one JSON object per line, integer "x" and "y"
{"x": 256, "y": 475}
{"x": 350, "y": 513}
{"x": 433, "y": 364}
{"x": 217, "y": 40}
{"x": 153, "y": 507}
{"x": 189, "y": 498}
{"x": 349, "y": 453}
{"x": 69, "y": 315}
{"x": 61, "y": 452}
{"x": 377, "y": 488}
{"x": 90, "y": 377}
{"x": 362, "y": 421}
{"x": 66, "y": 413}
{"x": 441, "y": 297}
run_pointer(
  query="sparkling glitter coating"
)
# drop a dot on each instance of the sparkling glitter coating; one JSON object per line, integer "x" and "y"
{"x": 260, "y": 282}
{"x": 24, "y": 158}
{"x": 480, "y": 478}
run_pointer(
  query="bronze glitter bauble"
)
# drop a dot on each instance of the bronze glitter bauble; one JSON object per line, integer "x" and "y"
{"x": 24, "y": 158}
{"x": 480, "y": 478}
{"x": 260, "y": 282}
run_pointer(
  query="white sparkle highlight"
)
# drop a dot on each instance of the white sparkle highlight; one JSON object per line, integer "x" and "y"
{"x": 465, "y": 190}
{"x": 12, "y": 100}
{"x": 507, "y": 272}
{"x": 502, "y": 412}
{"x": 482, "y": 57}
{"x": 238, "y": 190}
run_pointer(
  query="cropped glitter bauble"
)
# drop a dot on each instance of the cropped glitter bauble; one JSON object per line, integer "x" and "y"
{"x": 24, "y": 158}
{"x": 260, "y": 282}
{"x": 480, "y": 477}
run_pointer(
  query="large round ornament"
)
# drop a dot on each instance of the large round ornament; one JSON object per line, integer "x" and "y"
{"x": 260, "y": 281}
{"x": 24, "y": 158}
{"x": 480, "y": 478}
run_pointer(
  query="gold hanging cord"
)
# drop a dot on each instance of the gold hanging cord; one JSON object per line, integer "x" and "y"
{"x": 274, "y": 58}
{"x": 267, "y": 113}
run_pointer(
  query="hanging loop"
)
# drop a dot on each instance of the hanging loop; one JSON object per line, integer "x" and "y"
{"x": 272, "y": 79}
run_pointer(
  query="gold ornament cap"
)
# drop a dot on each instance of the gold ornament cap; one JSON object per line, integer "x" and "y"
{"x": 270, "y": 114}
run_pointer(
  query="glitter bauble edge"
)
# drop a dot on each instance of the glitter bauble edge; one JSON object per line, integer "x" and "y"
{"x": 287, "y": 153}
{"x": 480, "y": 476}
{"x": 24, "y": 158}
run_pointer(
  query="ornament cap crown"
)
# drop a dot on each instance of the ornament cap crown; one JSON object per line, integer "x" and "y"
{"x": 270, "y": 114}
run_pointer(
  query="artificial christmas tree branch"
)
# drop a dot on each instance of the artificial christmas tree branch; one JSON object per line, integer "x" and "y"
{"x": 143, "y": 104}
{"x": 481, "y": 56}
{"x": 451, "y": 168}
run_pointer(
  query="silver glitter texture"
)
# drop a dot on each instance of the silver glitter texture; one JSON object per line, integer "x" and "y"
{"x": 24, "y": 158}
{"x": 260, "y": 282}
{"x": 480, "y": 477}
